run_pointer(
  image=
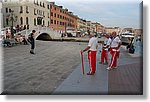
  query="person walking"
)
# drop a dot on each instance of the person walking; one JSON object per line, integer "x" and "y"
{"x": 92, "y": 49}
{"x": 32, "y": 41}
{"x": 104, "y": 53}
{"x": 114, "y": 50}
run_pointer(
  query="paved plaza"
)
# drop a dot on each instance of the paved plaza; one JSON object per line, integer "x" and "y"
{"x": 56, "y": 69}
{"x": 125, "y": 80}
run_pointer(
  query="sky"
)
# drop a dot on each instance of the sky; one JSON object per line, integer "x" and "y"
{"x": 110, "y": 13}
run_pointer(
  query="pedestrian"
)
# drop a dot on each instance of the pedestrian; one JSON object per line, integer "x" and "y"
{"x": 105, "y": 46}
{"x": 32, "y": 41}
{"x": 92, "y": 49}
{"x": 114, "y": 50}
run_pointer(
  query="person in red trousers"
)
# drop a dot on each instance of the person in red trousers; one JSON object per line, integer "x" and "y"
{"x": 104, "y": 53}
{"x": 92, "y": 49}
{"x": 114, "y": 51}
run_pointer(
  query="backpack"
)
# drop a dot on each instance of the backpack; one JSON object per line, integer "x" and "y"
{"x": 131, "y": 49}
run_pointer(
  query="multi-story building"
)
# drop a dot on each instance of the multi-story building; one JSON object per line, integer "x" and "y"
{"x": 98, "y": 27}
{"x": 112, "y": 29}
{"x": 90, "y": 27}
{"x": 26, "y": 12}
{"x": 62, "y": 19}
{"x": 81, "y": 25}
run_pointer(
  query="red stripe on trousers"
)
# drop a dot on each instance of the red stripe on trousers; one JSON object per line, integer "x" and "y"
{"x": 92, "y": 61}
{"x": 114, "y": 56}
{"x": 104, "y": 55}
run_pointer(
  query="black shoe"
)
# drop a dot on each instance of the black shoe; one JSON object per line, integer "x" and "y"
{"x": 32, "y": 52}
{"x": 90, "y": 73}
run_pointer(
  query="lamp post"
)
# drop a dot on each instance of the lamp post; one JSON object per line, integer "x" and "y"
{"x": 12, "y": 19}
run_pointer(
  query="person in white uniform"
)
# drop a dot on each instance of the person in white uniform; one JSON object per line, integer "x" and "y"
{"x": 114, "y": 51}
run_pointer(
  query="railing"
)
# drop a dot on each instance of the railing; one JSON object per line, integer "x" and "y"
{"x": 39, "y": 30}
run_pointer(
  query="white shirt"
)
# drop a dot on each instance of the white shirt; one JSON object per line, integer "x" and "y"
{"x": 107, "y": 42}
{"x": 115, "y": 42}
{"x": 93, "y": 43}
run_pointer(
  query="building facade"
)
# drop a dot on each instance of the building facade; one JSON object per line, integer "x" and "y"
{"x": 109, "y": 30}
{"x": 98, "y": 28}
{"x": 62, "y": 19}
{"x": 81, "y": 25}
{"x": 26, "y": 12}
{"x": 90, "y": 27}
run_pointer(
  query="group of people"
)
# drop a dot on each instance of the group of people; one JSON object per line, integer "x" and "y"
{"x": 111, "y": 44}
{"x": 20, "y": 28}
{"x": 21, "y": 39}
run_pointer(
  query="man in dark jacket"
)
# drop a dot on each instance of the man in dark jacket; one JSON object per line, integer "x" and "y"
{"x": 32, "y": 41}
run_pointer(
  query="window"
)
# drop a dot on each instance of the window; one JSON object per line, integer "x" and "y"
{"x": 47, "y": 6}
{"x": 9, "y": 10}
{"x": 6, "y": 21}
{"x": 40, "y": 4}
{"x": 55, "y": 15}
{"x": 34, "y": 11}
{"x": 27, "y": 21}
{"x": 27, "y": 9}
{"x": 37, "y": 3}
{"x": 34, "y": 22}
{"x": 55, "y": 8}
{"x": 6, "y": 10}
{"x": 54, "y": 21}
{"x": 21, "y": 21}
{"x": 21, "y": 9}
{"x": 57, "y": 22}
{"x": 48, "y": 15}
{"x": 51, "y": 21}
{"x": 51, "y": 13}
{"x": 48, "y": 23}
{"x": 43, "y": 5}
{"x": 58, "y": 16}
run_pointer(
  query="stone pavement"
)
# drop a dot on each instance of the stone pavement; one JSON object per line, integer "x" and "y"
{"x": 24, "y": 73}
{"x": 126, "y": 79}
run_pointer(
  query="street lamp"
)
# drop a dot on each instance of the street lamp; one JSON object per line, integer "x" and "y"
{"x": 13, "y": 19}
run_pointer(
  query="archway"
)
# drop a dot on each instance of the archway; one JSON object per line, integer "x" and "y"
{"x": 44, "y": 36}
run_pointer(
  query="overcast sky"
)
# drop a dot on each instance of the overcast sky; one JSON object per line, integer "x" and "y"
{"x": 110, "y": 13}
